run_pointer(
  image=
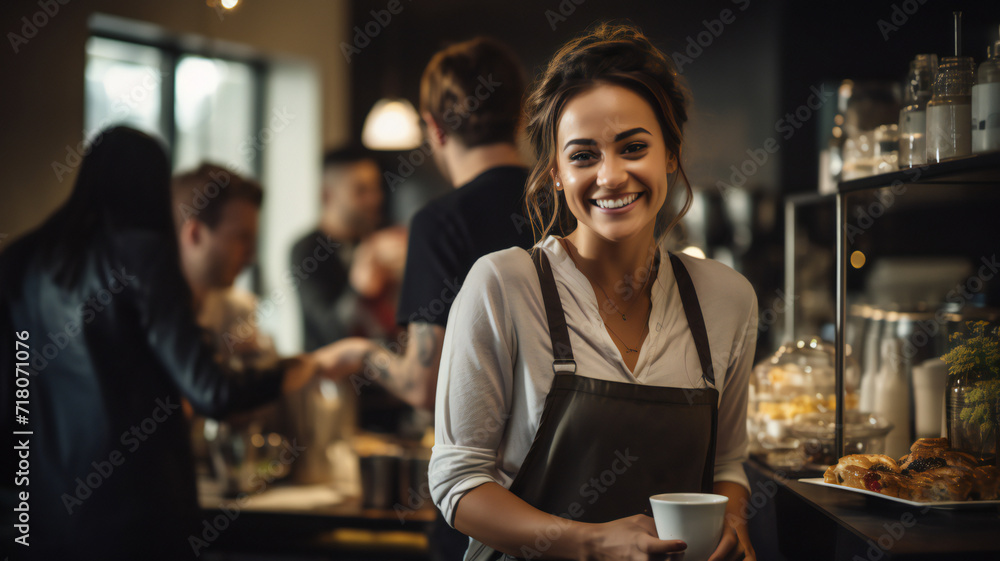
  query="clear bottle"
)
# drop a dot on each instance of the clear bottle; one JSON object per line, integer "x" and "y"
{"x": 870, "y": 360}
{"x": 886, "y": 145}
{"x": 892, "y": 398}
{"x": 949, "y": 112}
{"x": 986, "y": 105}
{"x": 913, "y": 116}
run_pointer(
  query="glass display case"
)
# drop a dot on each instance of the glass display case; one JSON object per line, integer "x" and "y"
{"x": 914, "y": 262}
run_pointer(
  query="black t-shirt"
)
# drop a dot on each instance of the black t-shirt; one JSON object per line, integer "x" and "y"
{"x": 318, "y": 266}
{"x": 448, "y": 235}
{"x": 330, "y": 310}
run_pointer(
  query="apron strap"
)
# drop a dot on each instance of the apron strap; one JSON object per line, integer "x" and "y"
{"x": 692, "y": 309}
{"x": 562, "y": 351}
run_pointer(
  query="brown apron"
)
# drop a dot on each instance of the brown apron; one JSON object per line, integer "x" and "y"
{"x": 603, "y": 448}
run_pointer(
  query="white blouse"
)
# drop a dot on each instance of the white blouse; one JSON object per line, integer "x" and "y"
{"x": 496, "y": 366}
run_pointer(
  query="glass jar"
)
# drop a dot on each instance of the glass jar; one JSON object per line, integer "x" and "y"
{"x": 949, "y": 112}
{"x": 986, "y": 104}
{"x": 913, "y": 116}
{"x": 798, "y": 379}
{"x": 864, "y": 433}
{"x": 972, "y": 414}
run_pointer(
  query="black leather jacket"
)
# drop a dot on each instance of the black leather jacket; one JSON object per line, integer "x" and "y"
{"x": 112, "y": 355}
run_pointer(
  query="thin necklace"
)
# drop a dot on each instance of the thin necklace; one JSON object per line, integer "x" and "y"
{"x": 617, "y": 309}
{"x": 629, "y": 349}
{"x": 649, "y": 312}
{"x": 562, "y": 242}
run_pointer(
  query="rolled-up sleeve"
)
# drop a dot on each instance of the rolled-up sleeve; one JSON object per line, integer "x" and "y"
{"x": 731, "y": 450}
{"x": 473, "y": 390}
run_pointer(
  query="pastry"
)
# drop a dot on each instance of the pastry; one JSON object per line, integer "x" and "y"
{"x": 931, "y": 472}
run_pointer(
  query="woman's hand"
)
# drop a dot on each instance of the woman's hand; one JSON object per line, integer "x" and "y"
{"x": 633, "y": 538}
{"x": 735, "y": 542}
{"x": 735, "y": 545}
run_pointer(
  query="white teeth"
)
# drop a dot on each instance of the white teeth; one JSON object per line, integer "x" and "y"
{"x": 616, "y": 203}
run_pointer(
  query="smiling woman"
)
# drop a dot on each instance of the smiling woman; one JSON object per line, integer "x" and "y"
{"x": 617, "y": 378}
{"x": 614, "y": 185}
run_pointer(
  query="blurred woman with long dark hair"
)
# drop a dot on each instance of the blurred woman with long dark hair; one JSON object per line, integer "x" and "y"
{"x": 96, "y": 297}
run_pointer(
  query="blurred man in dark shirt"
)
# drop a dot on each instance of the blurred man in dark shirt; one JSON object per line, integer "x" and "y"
{"x": 470, "y": 101}
{"x": 353, "y": 272}
{"x": 351, "y": 209}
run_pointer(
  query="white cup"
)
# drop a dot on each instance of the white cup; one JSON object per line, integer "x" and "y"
{"x": 695, "y": 518}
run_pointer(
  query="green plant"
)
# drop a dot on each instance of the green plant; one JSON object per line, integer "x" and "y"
{"x": 977, "y": 352}
{"x": 976, "y": 356}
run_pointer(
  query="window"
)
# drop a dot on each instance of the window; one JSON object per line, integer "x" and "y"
{"x": 203, "y": 108}
{"x": 229, "y": 104}
{"x": 124, "y": 85}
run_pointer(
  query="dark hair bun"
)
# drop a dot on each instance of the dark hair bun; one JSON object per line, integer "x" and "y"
{"x": 608, "y": 50}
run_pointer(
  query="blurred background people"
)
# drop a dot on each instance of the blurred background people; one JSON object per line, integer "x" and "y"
{"x": 351, "y": 274}
{"x": 350, "y": 211}
{"x": 216, "y": 214}
{"x": 96, "y": 293}
{"x": 476, "y": 151}
{"x": 470, "y": 102}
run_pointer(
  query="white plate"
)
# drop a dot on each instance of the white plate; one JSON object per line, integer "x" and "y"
{"x": 940, "y": 504}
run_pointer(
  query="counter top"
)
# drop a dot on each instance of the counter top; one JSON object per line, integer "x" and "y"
{"x": 904, "y": 530}
{"x": 865, "y": 527}
{"x": 310, "y": 519}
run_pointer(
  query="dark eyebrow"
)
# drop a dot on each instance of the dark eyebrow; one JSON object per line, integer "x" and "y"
{"x": 630, "y": 132}
{"x": 619, "y": 136}
{"x": 581, "y": 141}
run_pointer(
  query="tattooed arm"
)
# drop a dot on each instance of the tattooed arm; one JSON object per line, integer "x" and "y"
{"x": 408, "y": 369}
